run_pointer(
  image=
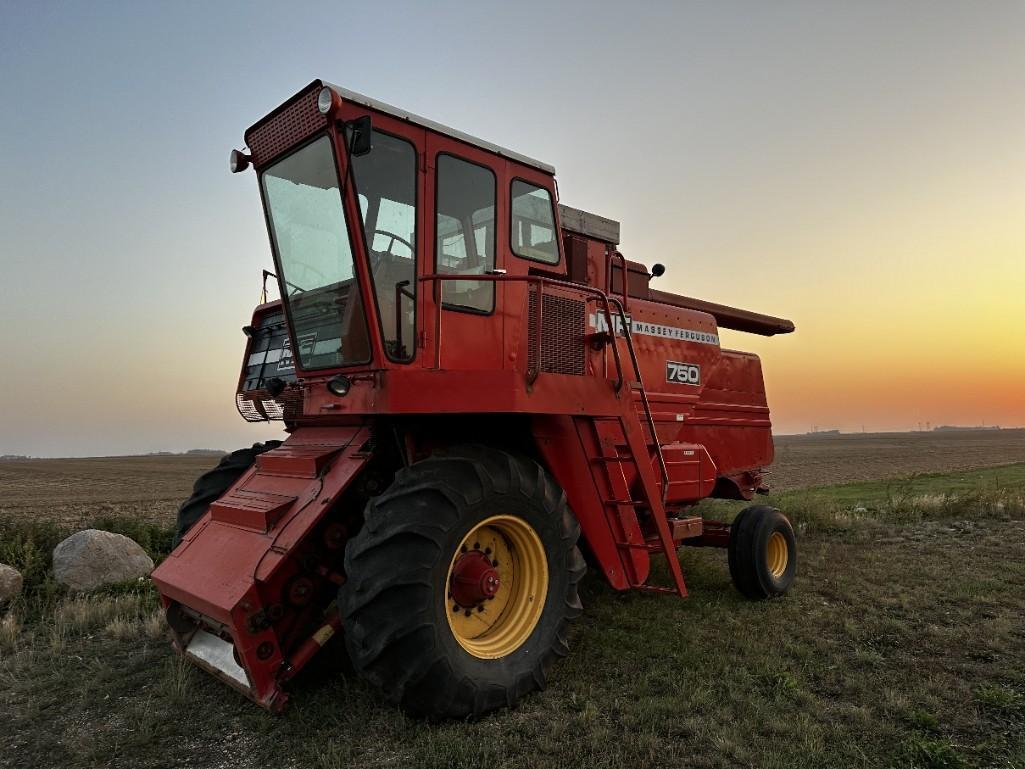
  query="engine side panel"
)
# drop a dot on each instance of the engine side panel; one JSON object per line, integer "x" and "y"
{"x": 698, "y": 392}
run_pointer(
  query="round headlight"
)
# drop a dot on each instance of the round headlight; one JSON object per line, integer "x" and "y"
{"x": 325, "y": 100}
{"x": 339, "y": 385}
{"x": 239, "y": 161}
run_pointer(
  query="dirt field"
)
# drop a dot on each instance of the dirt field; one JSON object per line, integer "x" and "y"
{"x": 76, "y": 491}
{"x": 820, "y": 460}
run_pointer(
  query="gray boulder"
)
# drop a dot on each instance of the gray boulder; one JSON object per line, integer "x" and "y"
{"x": 10, "y": 582}
{"x": 94, "y": 558}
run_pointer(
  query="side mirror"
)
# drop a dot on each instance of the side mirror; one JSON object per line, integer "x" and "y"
{"x": 658, "y": 270}
{"x": 360, "y": 136}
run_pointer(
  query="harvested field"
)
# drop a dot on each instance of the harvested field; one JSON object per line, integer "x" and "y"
{"x": 804, "y": 461}
{"x": 75, "y": 491}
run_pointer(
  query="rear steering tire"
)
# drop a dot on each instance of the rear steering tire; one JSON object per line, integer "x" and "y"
{"x": 462, "y": 583}
{"x": 212, "y": 484}
{"x": 762, "y": 552}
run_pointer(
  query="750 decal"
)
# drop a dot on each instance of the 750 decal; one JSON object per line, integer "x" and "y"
{"x": 683, "y": 373}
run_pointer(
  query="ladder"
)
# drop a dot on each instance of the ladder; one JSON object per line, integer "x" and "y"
{"x": 624, "y": 447}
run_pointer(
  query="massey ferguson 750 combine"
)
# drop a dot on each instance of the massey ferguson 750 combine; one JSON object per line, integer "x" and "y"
{"x": 479, "y": 390}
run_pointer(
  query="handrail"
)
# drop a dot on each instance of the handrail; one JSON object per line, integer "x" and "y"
{"x": 628, "y": 333}
{"x": 626, "y": 276}
{"x": 541, "y": 282}
{"x": 400, "y": 291}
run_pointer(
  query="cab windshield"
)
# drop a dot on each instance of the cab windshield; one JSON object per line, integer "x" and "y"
{"x": 315, "y": 260}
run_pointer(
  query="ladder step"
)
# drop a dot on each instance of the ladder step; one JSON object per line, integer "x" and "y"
{"x": 656, "y": 589}
{"x": 611, "y": 460}
{"x": 648, "y": 546}
{"x": 632, "y": 546}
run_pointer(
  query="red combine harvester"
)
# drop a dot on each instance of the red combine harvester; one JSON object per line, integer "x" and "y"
{"x": 476, "y": 386}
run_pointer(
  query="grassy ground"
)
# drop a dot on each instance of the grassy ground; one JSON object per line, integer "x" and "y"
{"x": 902, "y": 644}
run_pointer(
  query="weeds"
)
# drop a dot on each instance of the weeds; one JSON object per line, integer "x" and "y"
{"x": 154, "y": 626}
{"x": 999, "y": 698}
{"x": 177, "y": 677}
{"x": 10, "y": 631}
{"x": 977, "y": 495}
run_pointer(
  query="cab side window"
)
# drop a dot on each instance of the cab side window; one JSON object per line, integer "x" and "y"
{"x": 533, "y": 223}
{"x": 386, "y": 182}
{"x": 465, "y": 232}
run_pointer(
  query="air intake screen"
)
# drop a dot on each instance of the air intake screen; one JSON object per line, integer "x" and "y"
{"x": 562, "y": 334}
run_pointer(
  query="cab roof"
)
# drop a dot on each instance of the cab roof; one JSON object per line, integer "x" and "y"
{"x": 401, "y": 114}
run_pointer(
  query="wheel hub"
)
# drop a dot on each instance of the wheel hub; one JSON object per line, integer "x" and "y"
{"x": 777, "y": 554}
{"x": 496, "y": 587}
{"x": 474, "y": 579}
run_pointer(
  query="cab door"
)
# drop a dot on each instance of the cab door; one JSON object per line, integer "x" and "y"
{"x": 464, "y": 204}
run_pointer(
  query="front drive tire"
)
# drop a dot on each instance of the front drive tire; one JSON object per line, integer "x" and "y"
{"x": 462, "y": 583}
{"x": 762, "y": 552}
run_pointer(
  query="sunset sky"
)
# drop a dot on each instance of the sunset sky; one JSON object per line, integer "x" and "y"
{"x": 857, "y": 167}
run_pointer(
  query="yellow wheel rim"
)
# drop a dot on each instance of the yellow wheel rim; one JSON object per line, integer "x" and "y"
{"x": 777, "y": 554}
{"x": 489, "y": 627}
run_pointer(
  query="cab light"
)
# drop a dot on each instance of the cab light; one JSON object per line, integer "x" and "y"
{"x": 239, "y": 161}
{"x": 339, "y": 385}
{"x": 325, "y": 100}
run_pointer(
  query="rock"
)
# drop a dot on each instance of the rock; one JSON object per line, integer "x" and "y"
{"x": 10, "y": 582}
{"x": 93, "y": 558}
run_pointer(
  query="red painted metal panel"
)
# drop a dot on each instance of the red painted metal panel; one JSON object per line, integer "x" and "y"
{"x": 233, "y": 567}
{"x": 692, "y": 472}
{"x": 251, "y": 508}
{"x": 561, "y": 446}
{"x": 613, "y": 463}
{"x": 296, "y": 461}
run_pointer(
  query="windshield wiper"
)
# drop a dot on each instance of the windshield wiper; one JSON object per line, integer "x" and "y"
{"x": 269, "y": 274}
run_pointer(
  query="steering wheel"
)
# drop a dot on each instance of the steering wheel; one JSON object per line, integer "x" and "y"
{"x": 391, "y": 242}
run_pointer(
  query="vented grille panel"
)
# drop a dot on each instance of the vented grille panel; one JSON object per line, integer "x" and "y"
{"x": 562, "y": 334}
{"x": 258, "y": 406}
{"x": 294, "y": 123}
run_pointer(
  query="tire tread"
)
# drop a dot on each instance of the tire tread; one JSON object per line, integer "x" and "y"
{"x": 382, "y": 635}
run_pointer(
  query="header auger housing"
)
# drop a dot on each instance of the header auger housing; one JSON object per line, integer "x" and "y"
{"x": 477, "y": 387}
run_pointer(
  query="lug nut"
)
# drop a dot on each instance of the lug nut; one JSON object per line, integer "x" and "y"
{"x": 487, "y": 551}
